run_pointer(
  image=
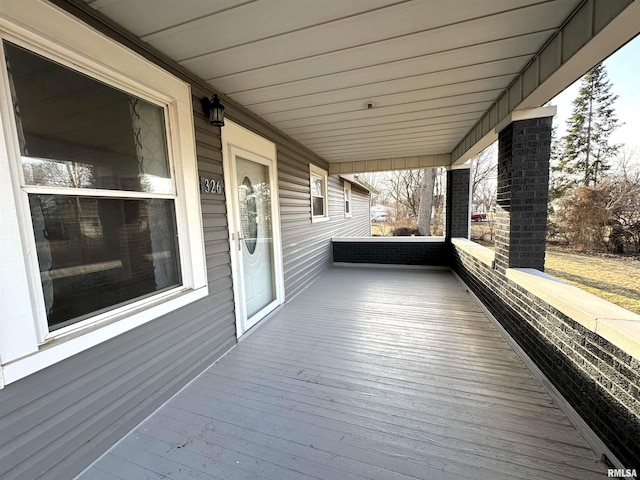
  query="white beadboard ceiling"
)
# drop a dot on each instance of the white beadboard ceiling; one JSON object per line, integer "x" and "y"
{"x": 431, "y": 68}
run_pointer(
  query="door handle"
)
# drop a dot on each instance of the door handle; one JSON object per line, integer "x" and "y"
{"x": 239, "y": 239}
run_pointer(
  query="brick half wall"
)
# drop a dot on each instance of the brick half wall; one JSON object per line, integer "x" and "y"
{"x": 423, "y": 251}
{"x": 598, "y": 379}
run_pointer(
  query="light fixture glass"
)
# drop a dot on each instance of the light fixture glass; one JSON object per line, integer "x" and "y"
{"x": 213, "y": 109}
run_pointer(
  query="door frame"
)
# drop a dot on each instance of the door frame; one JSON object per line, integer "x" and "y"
{"x": 237, "y": 138}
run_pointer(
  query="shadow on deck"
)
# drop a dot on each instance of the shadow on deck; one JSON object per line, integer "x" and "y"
{"x": 368, "y": 374}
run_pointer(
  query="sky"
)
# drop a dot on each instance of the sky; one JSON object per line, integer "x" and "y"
{"x": 623, "y": 69}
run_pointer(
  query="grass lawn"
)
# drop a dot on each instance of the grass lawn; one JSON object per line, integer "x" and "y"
{"x": 616, "y": 279}
{"x": 381, "y": 230}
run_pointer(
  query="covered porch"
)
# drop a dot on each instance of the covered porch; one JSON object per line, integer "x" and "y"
{"x": 363, "y": 373}
{"x": 369, "y": 373}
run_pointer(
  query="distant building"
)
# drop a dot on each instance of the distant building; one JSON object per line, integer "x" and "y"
{"x": 382, "y": 214}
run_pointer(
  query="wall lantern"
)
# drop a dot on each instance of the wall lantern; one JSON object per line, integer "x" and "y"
{"x": 213, "y": 109}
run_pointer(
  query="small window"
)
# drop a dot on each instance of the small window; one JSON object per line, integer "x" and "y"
{"x": 319, "y": 197}
{"x": 347, "y": 199}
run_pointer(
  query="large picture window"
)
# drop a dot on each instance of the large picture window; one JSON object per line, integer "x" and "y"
{"x": 96, "y": 246}
{"x": 99, "y": 191}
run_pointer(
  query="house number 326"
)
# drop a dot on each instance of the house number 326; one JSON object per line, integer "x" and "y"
{"x": 211, "y": 186}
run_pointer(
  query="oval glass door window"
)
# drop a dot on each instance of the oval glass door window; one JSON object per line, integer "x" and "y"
{"x": 249, "y": 214}
{"x": 254, "y": 221}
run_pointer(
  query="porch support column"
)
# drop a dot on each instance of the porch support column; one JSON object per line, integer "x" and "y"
{"x": 458, "y": 196}
{"x": 524, "y": 147}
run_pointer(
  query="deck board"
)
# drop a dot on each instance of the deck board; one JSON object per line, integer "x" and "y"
{"x": 368, "y": 374}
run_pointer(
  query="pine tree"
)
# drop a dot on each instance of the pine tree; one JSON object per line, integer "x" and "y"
{"x": 586, "y": 150}
{"x": 559, "y": 182}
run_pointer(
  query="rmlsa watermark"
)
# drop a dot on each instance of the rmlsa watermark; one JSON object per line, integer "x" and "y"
{"x": 622, "y": 473}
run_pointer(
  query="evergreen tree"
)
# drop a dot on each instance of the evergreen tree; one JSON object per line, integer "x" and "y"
{"x": 586, "y": 149}
{"x": 558, "y": 180}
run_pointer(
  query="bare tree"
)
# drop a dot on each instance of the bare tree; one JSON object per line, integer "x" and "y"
{"x": 483, "y": 178}
{"x": 439, "y": 201}
{"x": 375, "y": 180}
{"x": 483, "y": 190}
{"x": 624, "y": 204}
{"x": 426, "y": 202}
{"x": 403, "y": 189}
{"x": 627, "y": 163}
{"x": 415, "y": 196}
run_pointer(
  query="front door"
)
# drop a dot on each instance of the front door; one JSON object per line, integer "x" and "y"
{"x": 254, "y": 229}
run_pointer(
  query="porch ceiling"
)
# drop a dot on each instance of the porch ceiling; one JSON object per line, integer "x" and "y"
{"x": 431, "y": 69}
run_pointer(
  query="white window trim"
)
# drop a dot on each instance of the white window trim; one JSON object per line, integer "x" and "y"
{"x": 315, "y": 171}
{"x": 25, "y": 346}
{"x": 349, "y": 198}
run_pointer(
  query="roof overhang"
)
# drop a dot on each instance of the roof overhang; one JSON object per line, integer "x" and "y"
{"x": 361, "y": 183}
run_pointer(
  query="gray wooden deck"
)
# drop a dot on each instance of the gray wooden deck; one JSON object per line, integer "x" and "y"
{"x": 368, "y": 374}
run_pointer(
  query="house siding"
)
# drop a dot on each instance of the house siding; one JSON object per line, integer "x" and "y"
{"x": 57, "y": 421}
{"x": 306, "y": 245}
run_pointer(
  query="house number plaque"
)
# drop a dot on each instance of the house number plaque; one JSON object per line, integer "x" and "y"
{"x": 211, "y": 186}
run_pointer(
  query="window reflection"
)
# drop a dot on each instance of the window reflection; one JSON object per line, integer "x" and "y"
{"x": 77, "y": 132}
{"x": 316, "y": 187}
{"x": 248, "y": 214}
{"x": 98, "y": 253}
{"x": 95, "y": 253}
{"x": 317, "y": 196}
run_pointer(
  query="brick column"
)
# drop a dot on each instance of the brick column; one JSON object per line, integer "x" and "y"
{"x": 523, "y": 191}
{"x": 458, "y": 192}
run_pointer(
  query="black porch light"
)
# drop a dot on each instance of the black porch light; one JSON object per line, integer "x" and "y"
{"x": 213, "y": 109}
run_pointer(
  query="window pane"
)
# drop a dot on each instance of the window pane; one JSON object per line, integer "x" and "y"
{"x": 316, "y": 187}
{"x": 318, "y": 206}
{"x": 248, "y": 214}
{"x": 77, "y": 132}
{"x": 98, "y": 253}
